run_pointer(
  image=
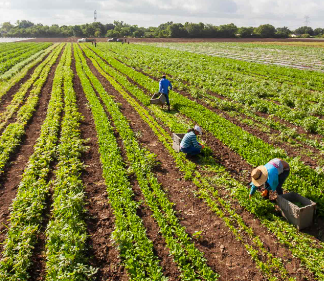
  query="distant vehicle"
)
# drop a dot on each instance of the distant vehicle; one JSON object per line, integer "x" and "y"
{"x": 86, "y": 40}
{"x": 114, "y": 39}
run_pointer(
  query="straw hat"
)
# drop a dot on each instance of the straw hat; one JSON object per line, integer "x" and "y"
{"x": 259, "y": 175}
{"x": 198, "y": 129}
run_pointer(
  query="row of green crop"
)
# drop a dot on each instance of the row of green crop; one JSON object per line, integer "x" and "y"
{"x": 264, "y": 210}
{"x": 28, "y": 207}
{"x": 307, "y": 79}
{"x": 232, "y": 108}
{"x": 244, "y": 90}
{"x": 6, "y": 65}
{"x": 12, "y": 135}
{"x": 271, "y": 266}
{"x": 23, "y": 49}
{"x": 41, "y": 70}
{"x": 303, "y": 179}
{"x": 10, "y": 47}
{"x": 19, "y": 73}
{"x": 190, "y": 261}
{"x": 17, "y": 67}
{"x": 135, "y": 249}
{"x": 66, "y": 232}
{"x": 15, "y": 50}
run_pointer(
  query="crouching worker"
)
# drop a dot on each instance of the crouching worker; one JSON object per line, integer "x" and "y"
{"x": 189, "y": 143}
{"x": 272, "y": 175}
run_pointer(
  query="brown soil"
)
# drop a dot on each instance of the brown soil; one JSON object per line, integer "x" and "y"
{"x": 9, "y": 181}
{"x": 100, "y": 222}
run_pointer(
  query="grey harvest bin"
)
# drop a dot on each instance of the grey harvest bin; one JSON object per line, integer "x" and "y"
{"x": 176, "y": 141}
{"x": 158, "y": 98}
{"x": 302, "y": 217}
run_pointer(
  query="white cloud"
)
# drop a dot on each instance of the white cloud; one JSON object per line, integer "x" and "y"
{"x": 289, "y": 13}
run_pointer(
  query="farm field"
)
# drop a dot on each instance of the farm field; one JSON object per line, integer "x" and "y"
{"x": 308, "y": 55}
{"x": 92, "y": 189}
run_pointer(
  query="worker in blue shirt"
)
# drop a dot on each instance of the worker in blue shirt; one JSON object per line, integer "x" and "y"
{"x": 164, "y": 86}
{"x": 189, "y": 143}
{"x": 272, "y": 175}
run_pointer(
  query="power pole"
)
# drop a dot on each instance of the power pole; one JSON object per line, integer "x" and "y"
{"x": 306, "y": 20}
{"x": 95, "y": 16}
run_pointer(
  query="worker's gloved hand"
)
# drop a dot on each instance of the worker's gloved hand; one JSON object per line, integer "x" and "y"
{"x": 265, "y": 193}
{"x": 250, "y": 196}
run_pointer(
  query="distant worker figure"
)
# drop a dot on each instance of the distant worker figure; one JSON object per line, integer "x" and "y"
{"x": 189, "y": 143}
{"x": 164, "y": 85}
{"x": 273, "y": 175}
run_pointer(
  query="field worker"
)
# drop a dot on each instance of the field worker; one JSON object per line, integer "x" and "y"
{"x": 189, "y": 143}
{"x": 273, "y": 175}
{"x": 164, "y": 85}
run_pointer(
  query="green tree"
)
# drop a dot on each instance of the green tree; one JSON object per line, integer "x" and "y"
{"x": 246, "y": 32}
{"x": 265, "y": 31}
{"x": 177, "y": 30}
{"x": 318, "y": 31}
{"x": 283, "y": 32}
{"x": 227, "y": 30}
{"x": 305, "y": 30}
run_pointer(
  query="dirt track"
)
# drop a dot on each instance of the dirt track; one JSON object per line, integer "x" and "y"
{"x": 182, "y": 40}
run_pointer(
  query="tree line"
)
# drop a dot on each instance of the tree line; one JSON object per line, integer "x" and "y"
{"x": 25, "y": 28}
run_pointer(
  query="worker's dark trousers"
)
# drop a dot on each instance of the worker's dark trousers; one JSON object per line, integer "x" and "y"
{"x": 167, "y": 98}
{"x": 282, "y": 178}
{"x": 191, "y": 150}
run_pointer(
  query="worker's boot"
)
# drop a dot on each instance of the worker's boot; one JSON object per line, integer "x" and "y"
{"x": 168, "y": 107}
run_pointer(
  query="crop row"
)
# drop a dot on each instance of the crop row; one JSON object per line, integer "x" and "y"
{"x": 17, "y": 52}
{"x": 190, "y": 261}
{"x": 272, "y": 264}
{"x": 21, "y": 69}
{"x": 6, "y": 65}
{"x": 10, "y": 47}
{"x": 41, "y": 70}
{"x": 135, "y": 249}
{"x": 12, "y": 135}
{"x": 232, "y": 108}
{"x": 243, "y": 89}
{"x": 286, "y": 233}
{"x": 28, "y": 207}
{"x": 307, "y": 79}
{"x": 66, "y": 232}
{"x": 304, "y": 180}
{"x": 14, "y": 52}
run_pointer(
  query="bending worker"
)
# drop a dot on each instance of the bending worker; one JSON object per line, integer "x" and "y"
{"x": 164, "y": 85}
{"x": 273, "y": 175}
{"x": 189, "y": 143}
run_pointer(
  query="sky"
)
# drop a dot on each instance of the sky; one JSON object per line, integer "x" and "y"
{"x": 290, "y": 13}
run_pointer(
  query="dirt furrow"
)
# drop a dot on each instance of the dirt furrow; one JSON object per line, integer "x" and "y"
{"x": 100, "y": 221}
{"x": 9, "y": 181}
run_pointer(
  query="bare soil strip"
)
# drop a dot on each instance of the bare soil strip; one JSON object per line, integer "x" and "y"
{"x": 9, "y": 181}
{"x": 103, "y": 254}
